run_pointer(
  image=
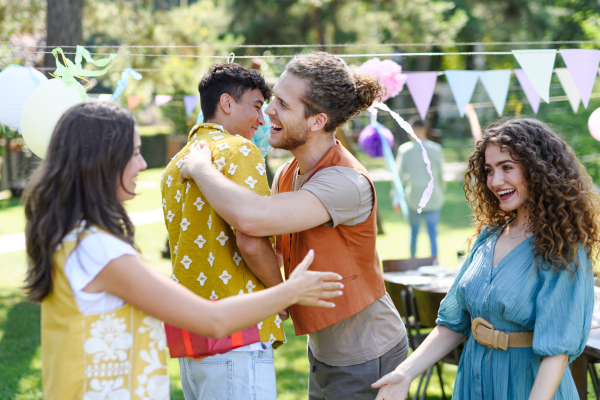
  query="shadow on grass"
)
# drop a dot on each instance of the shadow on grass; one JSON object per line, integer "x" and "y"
{"x": 20, "y": 326}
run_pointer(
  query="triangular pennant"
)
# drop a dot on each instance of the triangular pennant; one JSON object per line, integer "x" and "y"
{"x": 496, "y": 84}
{"x": 189, "y": 101}
{"x": 583, "y": 65}
{"x": 421, "y": 86}
{"x": 538, "y": 66}
{"x": 462, "y": 84}
{"x": 532, "y": 96}
{"x": 569, "y": 86}
{"x": 133, "y": 101}
{"x": 161, "y": 99}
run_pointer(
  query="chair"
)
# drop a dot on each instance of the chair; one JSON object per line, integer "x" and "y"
{"x": 399, "y": 293}
{"x": 426, "y": 305}
{"x": 407, "y": 264}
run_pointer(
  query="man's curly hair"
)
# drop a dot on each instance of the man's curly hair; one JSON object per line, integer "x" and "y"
{"x": 563, "y": 203}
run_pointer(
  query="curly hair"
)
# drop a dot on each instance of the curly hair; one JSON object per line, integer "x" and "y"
{"x": 563, "y": 203}
{"x": 230, "y": 78}
{"x": 333, "y": 88}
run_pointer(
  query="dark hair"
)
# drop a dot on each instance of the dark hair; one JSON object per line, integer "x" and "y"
{"x": 232, "y": 79}
{"x": 88, "y": 152}
{"x": 416, "y": 122}
{"x": 333, "y": 89}
{"x": 563, "y": 204}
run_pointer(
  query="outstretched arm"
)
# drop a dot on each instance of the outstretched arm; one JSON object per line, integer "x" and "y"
{"x": 549, "y": 376}
{"x": 395, "y": 385}
{"x": 128, "y": 278}
{"x": 247, "y": 211}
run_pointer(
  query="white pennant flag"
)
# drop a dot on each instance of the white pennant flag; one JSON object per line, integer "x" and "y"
{"x": 568, "y": 84}
{"x": 496, "y": 84}
{"x": 462, "y": 84}
{"x": 538, "y": 66}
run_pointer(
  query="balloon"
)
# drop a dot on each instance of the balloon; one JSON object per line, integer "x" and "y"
{"x": 370, "y": 138}
{"x": 594, "y": 124}
{"x": 42, "y": 110}
{"x": 16, "y": 84}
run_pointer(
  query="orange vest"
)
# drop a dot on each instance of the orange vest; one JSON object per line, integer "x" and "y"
{"x": 348, "y": 250}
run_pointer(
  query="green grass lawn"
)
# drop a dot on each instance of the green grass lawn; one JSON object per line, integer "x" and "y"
{"x": 20, "y": 363}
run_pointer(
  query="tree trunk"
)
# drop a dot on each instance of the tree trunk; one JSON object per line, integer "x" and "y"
{"x": 64, "y": 27}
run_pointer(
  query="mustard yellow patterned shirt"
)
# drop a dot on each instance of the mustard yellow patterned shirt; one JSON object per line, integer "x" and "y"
{"x": 204, "y": 254}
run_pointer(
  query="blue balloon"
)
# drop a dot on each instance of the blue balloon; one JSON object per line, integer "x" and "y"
{"x": 261, "y": 137}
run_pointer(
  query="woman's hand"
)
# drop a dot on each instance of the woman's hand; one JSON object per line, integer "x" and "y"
{"x": 312, "y": 286}
{"x": 199, "y": 157}
{"x": 393, "y": 386}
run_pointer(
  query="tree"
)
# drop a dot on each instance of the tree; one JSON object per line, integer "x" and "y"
{"x": 64, "y": 25}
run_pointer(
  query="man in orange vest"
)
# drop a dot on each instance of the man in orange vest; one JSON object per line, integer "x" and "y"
{"x": 323, "y": 200}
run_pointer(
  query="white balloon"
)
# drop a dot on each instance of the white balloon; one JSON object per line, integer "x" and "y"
{"x": 16, "y": 84}
{"x": 42, "y": 110}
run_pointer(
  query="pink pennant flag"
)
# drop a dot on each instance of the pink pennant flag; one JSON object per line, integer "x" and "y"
{"x": 161, "y": 99}
{"x": 583, "y": 66}
{"x": 421, "y": 86}
{"x": 190, "y": 101}
{"x": 133, "y": 101}
{"x": 532, "y": 95}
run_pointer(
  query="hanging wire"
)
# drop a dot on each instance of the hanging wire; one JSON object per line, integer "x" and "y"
{"x": 275, "y": 46}
{"x": 431, "y": 54}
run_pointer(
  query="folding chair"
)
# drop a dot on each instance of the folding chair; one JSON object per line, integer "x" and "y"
{"x": 426, "y": 305}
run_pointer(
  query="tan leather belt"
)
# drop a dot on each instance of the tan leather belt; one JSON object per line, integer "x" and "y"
{"x": 485, "y": 334}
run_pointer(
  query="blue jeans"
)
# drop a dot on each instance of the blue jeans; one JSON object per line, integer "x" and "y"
{"x": 236, "y": 375}
{"x": 432, "y": 218}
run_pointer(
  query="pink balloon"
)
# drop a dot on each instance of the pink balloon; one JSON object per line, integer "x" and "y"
{"x": 594, "y": 124}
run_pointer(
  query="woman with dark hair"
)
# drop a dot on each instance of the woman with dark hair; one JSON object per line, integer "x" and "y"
{"x": 524, "y": 297}
{"x": 98, "y": 337}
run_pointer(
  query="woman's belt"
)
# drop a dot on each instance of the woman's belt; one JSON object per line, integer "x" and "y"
{"x": 485, "y": 334}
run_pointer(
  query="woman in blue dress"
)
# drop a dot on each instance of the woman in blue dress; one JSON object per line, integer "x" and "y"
{"x": 524, "y": 297}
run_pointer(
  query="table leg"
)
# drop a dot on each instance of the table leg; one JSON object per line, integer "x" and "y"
{"x": 579, "y": 372}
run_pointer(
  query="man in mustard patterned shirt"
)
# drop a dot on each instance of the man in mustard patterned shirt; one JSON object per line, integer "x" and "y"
{"x": 207, "y": 255}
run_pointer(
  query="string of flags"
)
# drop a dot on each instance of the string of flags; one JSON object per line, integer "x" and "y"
{"x": 534, "y": 76}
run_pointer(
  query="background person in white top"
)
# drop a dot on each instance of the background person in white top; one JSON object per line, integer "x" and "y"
{"x": 415, "y": 178}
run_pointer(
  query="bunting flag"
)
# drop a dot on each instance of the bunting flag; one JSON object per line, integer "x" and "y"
{"x": 190, "y": 101}
{"x": 532, "y": 95}
{"x": 583, "y": 65}
{"x": 421, "y": 86}
{"x": 462, "y": 84}
{"x": 161, "y": 99}
{"x": 496, "y": 84}
{"x": 133, "y": 101}
{"x": 538, "y": 66}
{"x": 569, "y": 86}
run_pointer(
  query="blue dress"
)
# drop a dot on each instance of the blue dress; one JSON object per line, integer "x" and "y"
{"x": 515, "y": 297}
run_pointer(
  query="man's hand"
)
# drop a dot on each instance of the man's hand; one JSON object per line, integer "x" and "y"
{"x": 198, "y": 157}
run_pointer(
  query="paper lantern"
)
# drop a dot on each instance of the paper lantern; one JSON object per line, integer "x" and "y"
{"x": 16, "y": 84}
{"x": 42, "y": 110}
{"x": 594, "y": 124}
{"x": 370, "y": 139}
